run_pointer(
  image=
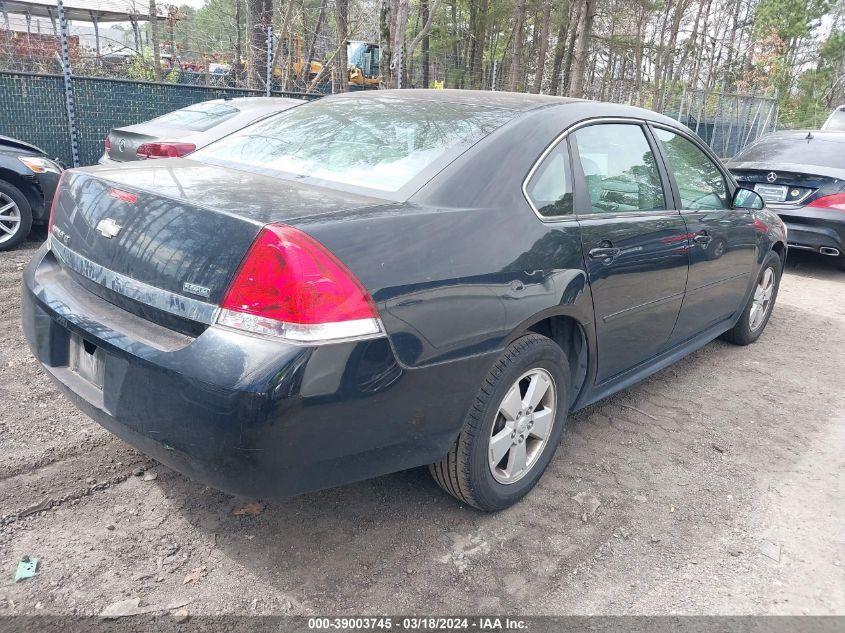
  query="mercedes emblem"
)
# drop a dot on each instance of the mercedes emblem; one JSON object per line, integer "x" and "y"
{"x": 771, "y": 176}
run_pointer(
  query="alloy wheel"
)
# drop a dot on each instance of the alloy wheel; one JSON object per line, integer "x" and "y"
{"x": 10, "y": 218}
{"x": 522, "y": 426}
{"x": 762, "y": 301}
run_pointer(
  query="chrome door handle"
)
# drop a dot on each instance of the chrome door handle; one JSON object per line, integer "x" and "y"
{"x": 604, "y": 254}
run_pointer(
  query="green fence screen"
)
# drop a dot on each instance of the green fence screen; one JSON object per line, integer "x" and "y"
{"x": 32, "y": 108}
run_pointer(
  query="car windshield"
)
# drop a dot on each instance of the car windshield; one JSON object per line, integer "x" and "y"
{"x": 380, "y": 142}
{"x": 198, "y": 117}
{"x": 355, "y": 53}
{"x": 824, "y": 150}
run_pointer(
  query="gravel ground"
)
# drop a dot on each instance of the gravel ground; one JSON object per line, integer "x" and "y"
{"x": 715, "y": 487}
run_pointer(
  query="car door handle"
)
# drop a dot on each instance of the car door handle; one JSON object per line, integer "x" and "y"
{"x": 702, "y": 238}
{"x": 604, "y": 253}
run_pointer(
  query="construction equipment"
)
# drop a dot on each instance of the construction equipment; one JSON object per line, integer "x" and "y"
{"x": 362, "y": 62}
{"x": 363, "y": 59}
{"x": 289, "y": 51}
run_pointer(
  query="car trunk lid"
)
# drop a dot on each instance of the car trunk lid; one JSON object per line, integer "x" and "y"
{"x": 126, "y": 141}
{"x": 785, "y": 185}
{"x": 138, "y": 237}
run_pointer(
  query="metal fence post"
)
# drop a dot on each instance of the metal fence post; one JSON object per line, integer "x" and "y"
{"x": 399, "y": 69}
{"x": 269, "y": 59}
{"x": 495, "y": 72}
{"x": 66, "y": 73}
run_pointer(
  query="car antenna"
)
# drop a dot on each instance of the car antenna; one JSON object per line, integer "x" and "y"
{"x": 809, "y": 136}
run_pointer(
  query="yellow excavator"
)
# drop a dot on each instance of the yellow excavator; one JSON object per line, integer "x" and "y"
{"x": 362, "y": 62}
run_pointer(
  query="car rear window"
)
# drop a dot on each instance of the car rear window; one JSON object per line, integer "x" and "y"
{"x": 821, "y": 150}
{"x": 836, "y": 122}
{"x": 199, "y": 117}
{"x": 379, "y": 143}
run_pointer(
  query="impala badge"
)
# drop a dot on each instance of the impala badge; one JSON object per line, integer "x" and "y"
{"x": 122, "y": 145}
{"x": 194, "y": 289}
{"x": 108, "y": 228}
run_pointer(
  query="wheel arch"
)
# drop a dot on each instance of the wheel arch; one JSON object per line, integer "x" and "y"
{"x": 28, "y": 188}
{"x": 780, "y": 248}
{"x": 571, "y": 336}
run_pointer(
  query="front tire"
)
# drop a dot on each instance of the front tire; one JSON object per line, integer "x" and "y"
{"x": 15, "y": 216}
{"x": 513, "y": 428}
{"x": 756, "y": 314}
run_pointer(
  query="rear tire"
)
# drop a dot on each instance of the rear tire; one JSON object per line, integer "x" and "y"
{"x": 757, "y": 311}
{"x": 504, "y": 416}
{"x": 15, "y": 216}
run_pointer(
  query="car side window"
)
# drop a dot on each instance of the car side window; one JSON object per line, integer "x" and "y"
{"x": 620, "y": 169}
{"x": 550, "y": 186}
{"x": 700, "y": 183}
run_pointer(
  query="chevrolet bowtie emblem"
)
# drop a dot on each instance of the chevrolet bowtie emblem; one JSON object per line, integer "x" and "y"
{"x": 108, "y": 228}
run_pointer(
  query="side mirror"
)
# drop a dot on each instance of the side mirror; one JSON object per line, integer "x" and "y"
{"x": 747, "y": 199}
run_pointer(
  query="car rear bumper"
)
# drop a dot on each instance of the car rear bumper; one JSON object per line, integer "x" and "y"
{"x": 105, "y": 159}
{"x": 246, "y": 415}
{"x": 815, "y": 229}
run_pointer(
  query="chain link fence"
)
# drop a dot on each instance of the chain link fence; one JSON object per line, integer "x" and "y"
{"x": 726, "y": 122}
{"x": 59, "y": 92}
{"x": 33, "y": 108}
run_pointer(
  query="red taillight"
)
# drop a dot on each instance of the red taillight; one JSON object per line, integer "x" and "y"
{"x": 290, "y": 285}
{"x": 108, "y": 144}
{"x": 164, "y": 150}
{"x": 834, "y": 201}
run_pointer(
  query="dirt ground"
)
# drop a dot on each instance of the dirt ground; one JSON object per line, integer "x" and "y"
{"x": 715, "y": 487}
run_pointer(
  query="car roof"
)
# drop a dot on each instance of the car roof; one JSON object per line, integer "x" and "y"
{"x": 255, "y": 103}
{"x": 494, "y": 99}
{"x": 515, "y": 101}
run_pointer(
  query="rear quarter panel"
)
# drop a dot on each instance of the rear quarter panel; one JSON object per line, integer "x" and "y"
{"x": 465, "y": 265}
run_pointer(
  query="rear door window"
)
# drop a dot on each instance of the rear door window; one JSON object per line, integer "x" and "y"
{"x": 199, "y": 117}
{"x": 620, "y": 169}
{"x": 550, "y": 187}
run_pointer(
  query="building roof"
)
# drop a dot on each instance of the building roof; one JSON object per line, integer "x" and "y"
{"x": 82, "y": 10}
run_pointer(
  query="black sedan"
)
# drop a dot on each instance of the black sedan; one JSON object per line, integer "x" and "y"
{"x": 378, "y": 281}
{"x": 28, "y": 179}
{"x": 801, "y": 176}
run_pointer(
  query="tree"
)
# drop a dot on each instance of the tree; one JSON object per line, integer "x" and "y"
{"x": 259, "y": 17}
{"x": 154, "y": 33}
{"x": 584, "y": 35}
{"x": 544, "y": 45}
{"x": 516, "y": 73}
{"x": 342, "y": 18}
